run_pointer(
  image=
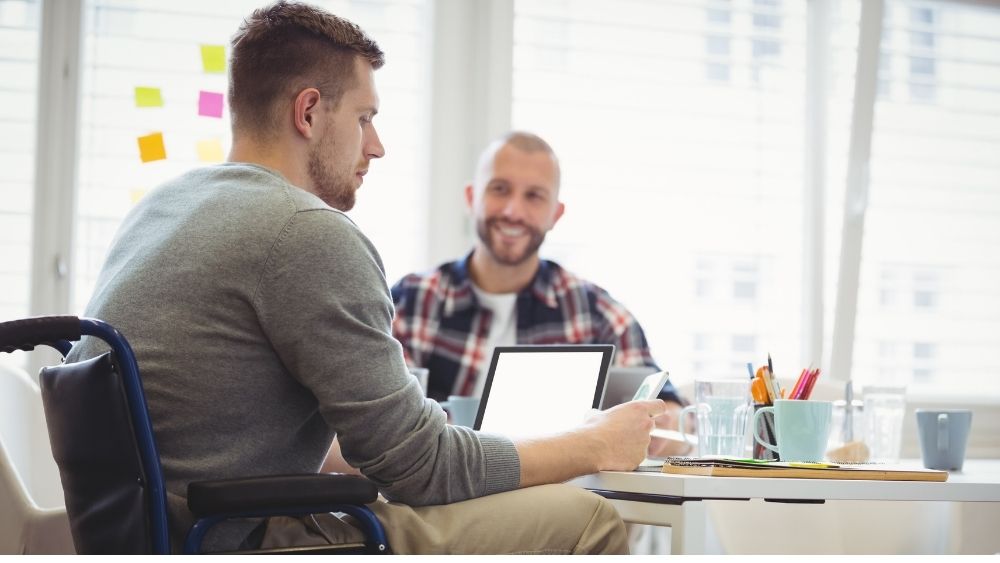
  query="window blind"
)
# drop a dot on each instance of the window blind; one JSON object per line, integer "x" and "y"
{"x": 679, "y": 127}
{"x": 19, "y": 24}
{"x": 147, "y": 73}
{"x": 929, "y": 292}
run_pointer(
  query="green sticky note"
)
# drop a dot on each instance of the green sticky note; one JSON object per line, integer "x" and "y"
{"x": 146, "y": 97}
{"x": 213, "y": 58}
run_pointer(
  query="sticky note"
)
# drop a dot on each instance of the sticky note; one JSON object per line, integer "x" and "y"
{"x": 151, "y": 147}
{"x": 210, "y": 104}
{"x": 213, "y": 58}
{"x": 135, "y": 194}
{"x": 210, "y": 150}
{"x": 147, "y": 97}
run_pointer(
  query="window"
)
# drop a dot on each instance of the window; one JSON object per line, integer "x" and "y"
{"x": 930, "y": 271}
{"x": 693, "y": 128}
{"x": 766, "y": 40}
{"x": 19, "y": 23}
{"x": 160, "y": 48}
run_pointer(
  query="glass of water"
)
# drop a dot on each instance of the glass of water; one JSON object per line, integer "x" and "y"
{"x": 722, "y": 408}
{"x": 884, "y": 410}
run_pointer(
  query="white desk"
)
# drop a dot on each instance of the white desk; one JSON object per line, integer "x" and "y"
{"x": 683, "y": 503}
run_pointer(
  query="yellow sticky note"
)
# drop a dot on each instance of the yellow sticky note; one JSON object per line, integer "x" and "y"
{"x": 135, "y": 194}
{"x": 147, "y": 97}
{"x": 210, "y": 150}
{"x": 151, "y": 147}
{"x": 213, "y": 58}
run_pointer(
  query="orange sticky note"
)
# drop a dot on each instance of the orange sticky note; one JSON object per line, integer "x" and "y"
{"x": 151, "y": 147}
{"x": 213, "y": 58}
{"x": 210, "y": 150}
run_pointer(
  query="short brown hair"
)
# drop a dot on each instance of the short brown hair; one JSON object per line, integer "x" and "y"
{"x": 285, "y": 47}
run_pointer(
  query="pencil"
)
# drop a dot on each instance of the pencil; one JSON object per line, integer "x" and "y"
{"x": 810, "y": 384}
{"x": 797, "y": 388}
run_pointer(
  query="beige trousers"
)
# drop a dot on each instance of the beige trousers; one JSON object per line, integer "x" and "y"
{"x": 557, "y": 519}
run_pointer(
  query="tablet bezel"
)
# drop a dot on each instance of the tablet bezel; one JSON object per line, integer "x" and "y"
{"x": 607, "y": 354}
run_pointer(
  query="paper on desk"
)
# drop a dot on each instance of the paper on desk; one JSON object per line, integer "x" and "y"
{"x": 673, "y": 435}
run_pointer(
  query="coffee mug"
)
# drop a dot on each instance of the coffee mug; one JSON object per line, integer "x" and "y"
{"x": 722, "y": 407}
{"x": 461, "y": 410}
{"x": 801, "y": 428}
{"x": 943, "y": 435}
{"x": 766, "y": 427}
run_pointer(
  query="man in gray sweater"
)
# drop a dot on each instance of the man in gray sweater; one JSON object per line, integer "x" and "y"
{"x": 261, "y": 320}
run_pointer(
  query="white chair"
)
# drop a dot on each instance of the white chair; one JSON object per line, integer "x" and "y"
{"x": 33, "y": 514}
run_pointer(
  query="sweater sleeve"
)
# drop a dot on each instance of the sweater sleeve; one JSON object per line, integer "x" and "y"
{"x": 402, "y": 325}
{"x": 324, "y": 304}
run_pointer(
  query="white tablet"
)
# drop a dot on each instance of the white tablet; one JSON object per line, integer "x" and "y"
{"x": 535, "y": 391}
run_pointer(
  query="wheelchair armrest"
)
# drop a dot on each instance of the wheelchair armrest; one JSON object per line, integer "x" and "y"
{"x": 25, "y": 334}
{"x": 278, "y": 492}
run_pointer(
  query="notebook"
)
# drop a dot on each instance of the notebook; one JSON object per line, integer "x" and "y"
{"x": 535, "y": 391}
{"x": 734, "y": 467}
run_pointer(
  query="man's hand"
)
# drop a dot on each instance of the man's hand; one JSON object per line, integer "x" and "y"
{"x": 663, "y": 447}
{"x": 614, "y": 440}
{"x": 623, "y": 432}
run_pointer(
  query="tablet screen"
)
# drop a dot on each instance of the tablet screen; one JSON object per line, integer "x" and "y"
{"x": 540, "y": 390}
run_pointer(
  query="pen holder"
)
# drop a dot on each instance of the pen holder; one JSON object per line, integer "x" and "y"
{"x": 765, "y": 425}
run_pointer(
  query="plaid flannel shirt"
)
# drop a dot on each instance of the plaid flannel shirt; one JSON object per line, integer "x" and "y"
{"x": 442, "y": 327}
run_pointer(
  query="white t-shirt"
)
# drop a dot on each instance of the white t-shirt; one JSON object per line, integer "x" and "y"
{"x": 503, "y": 329}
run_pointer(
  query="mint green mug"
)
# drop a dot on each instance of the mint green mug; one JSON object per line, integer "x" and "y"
{"x": 802, "y": 429}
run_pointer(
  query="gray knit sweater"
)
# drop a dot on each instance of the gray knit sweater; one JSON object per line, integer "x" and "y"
{"x": 261, "y": 321}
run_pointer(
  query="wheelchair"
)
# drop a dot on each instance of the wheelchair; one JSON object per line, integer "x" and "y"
{"x": 102, "y": 440}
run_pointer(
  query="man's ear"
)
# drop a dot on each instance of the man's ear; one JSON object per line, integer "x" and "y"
{"x": 305, "y": 108}
{"x": 559, "y": 213}
{"x": 470, "y": 196}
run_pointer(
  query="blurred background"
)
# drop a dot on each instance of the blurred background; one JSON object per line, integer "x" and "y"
{"x": 814, "y": 179}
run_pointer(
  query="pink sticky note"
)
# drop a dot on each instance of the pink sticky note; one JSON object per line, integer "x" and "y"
{"x": 209, "y": 104}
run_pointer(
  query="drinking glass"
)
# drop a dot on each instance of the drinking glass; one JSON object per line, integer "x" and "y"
{"x": 722, "y": 407}
{"x": 884, "y": 407}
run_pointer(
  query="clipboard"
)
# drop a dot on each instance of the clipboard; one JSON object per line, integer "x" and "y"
{"x": 738, "y": 467}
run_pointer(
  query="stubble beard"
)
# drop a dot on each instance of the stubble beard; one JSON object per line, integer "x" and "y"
{"x": 536, "y": 238}
{"x": 337, "y": 192}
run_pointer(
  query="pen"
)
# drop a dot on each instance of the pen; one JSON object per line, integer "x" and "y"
{"x": 774, "y": 379}
{"x": 771, "y": 385}
{"x": 812, "y": 465}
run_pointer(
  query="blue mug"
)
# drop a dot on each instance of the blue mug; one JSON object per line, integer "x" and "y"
{"x": 461, "y": 410}
{"x": 801, "y": 428}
